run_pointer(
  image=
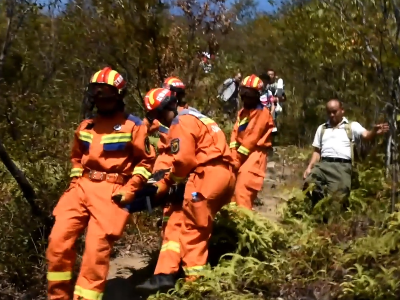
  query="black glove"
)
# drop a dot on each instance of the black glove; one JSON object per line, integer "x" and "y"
{"x": 144, "y": 199}
{"x": 157, "y": 176}
{"x": 148, "y": 190}
{"x": 176, "y": 194}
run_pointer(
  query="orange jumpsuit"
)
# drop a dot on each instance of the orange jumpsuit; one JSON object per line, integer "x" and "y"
{"x": 108, "y": 155}
{"x": 169, "y": 258}
{"x": 200, "y": 151}
{"x": 250, "y": 139}
{"x": 164, "y": 161}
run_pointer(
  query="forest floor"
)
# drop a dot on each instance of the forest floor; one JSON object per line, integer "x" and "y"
{"x": 133, "y": 266}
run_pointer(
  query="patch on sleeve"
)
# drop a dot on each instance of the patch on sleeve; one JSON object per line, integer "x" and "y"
{"x": 175, "y": 146}
{"x": 147, "y": 145}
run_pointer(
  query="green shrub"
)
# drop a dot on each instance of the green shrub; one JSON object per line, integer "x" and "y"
{"x": 353, "y": 256}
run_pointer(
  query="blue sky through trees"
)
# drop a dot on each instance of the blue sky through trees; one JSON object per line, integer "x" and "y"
{"x": 262, "y": 5}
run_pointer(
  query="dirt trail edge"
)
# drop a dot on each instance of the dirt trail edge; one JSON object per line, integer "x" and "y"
{"x": 281, "y": 176}
{"x": 133, "y": 268}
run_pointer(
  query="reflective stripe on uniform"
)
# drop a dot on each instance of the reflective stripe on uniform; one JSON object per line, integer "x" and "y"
{"x": 243, "y": 124}
{"x": 116, "y": 138}
{"x": 243, "y": 150}
{"x": 88, "y": 294}
{"x": 85, "y": 136}
{"x": 176, "y": 178}
{"x": 76, "y": 172}
{"x": 193, "y": 270}
{"x": 206, "y": 120}
{"x": 59, "y": 276}
{"x": 163, "y": 129}
{"x": 115, "y": 141}
{"x": 234, "y": 145}
{"x": 141, "y": 171}
{"x": 172, "y": 246}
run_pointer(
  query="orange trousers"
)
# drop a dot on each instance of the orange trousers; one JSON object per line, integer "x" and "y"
{"x": 250, "y": 179}
{"x": 198, "y": 216}
{"x": 85, "y": 204}
{"x": 170, "y": 254}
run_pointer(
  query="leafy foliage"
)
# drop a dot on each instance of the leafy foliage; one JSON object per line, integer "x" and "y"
{"x": 352, "y": 256}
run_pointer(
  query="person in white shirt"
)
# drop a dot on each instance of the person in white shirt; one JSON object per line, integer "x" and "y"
{"x": 273, "y": 94}
{"x": 331, "y": 162}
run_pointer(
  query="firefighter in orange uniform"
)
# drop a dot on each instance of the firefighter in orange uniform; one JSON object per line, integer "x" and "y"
{"x": 200, "y": 152}
{"x": 178, "y": 87}
{"x": 111, "y": 159}
{"x": 172, "y": 214}
{"x": 250, "y": 139}
{"x": 164, "y": 161}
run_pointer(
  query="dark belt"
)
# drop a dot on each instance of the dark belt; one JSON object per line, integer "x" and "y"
{"x": 336, "y": 159}
{"x": 93, "y": 175}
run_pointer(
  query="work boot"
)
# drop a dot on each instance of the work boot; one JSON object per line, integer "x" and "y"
{"x": 158, "y": 282}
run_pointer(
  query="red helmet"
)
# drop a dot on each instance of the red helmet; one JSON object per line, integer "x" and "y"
{"x": 158, "y": 98}
{"x": 175, "y": 82}
{"x": 106, "y": 83}
{"x": 252, "y": 82}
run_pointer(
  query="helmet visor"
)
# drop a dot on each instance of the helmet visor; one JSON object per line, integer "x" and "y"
{"x": 99, "y": 90}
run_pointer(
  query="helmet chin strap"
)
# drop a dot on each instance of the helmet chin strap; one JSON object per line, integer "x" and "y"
{"x": 150, "y": 119}
{"x": 119, "y": 106}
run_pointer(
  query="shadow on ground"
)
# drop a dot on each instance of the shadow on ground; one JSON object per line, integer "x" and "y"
{"x": 120, "y": 288}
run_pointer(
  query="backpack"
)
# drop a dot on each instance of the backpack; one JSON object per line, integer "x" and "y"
{"x": 347, "y": 128}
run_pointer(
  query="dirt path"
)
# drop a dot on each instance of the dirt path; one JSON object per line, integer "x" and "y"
{"x": 281, "y": 177}
{"x": 132, "y": 269}
{"x": 125, "y": 273}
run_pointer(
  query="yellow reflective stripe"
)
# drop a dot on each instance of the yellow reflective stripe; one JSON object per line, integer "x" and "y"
{"x": 244, "y": 121}
{"x": 88, "y": 294}
{"x": 85, "y": 136}
{"x": 172, "y": 246}
{"x": 76, "y": 172}
{"x": 193, "y": 270}
{"x": 59, "y": 276}
{"x": 116, "y": 138}
{"x": 161, "y": 125}
{"x": 206, "y": 120}
{"x": 94, "y": 78}
{"x": 243, "y": 150}
{"x": 141, "y": 171}
{"x": 111, "y": 77}
{"x": 234, "y": 145}
{"x": 176, "y": 178}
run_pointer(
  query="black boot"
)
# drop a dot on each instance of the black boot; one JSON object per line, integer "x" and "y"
{"x": 159, "y": 282}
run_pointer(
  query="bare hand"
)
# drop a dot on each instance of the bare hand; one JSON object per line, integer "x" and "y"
{"x": 306, "y": 173}
{"x": 381, "y": 128}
